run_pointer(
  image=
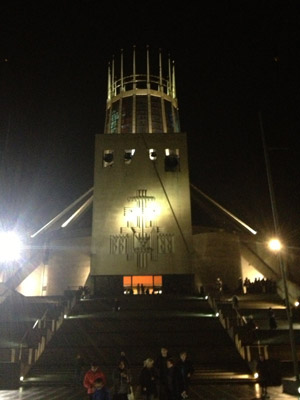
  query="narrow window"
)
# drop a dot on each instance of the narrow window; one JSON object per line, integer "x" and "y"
{"x": 128, "y": 155}
{"x": 172, "y": 160}
{"x": 108, "y": 158}
{"x": 152, "y": 154}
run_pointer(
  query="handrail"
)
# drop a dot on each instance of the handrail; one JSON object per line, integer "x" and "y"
{"x": 244, "y": 351}
{"x": 120, "y": 84}
{"x": 41, "y": 344}
{"x": 39, "y": 320}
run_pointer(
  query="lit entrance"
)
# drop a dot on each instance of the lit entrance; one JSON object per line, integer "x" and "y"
{"x": 142, "y": 284}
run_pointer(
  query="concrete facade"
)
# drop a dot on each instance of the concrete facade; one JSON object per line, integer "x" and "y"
{"x": 66, "y": 267}
{"x": 141, "y": 212}
{"x": 141, "y": 224}
{"x": 217, "y": 254}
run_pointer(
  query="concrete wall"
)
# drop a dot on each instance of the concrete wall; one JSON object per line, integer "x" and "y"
{"x": 115, "y": 184}
{"x": 271, "y": 267}
{"x": 217, "y": 254}
{"x": 260, "y": 257}
{"x": 249, "y": 271}
{"x": 68, "y": 267}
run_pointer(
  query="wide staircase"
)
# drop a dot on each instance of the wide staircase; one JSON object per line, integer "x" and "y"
{"x": 275, "y": 344}
{"x": 25, "y": 324}
{"x": 144, "y": 323}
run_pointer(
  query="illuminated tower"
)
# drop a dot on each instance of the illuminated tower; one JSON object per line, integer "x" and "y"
{"x": 141, "y": 212}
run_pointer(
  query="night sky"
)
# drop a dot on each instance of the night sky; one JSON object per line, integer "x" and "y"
{"x": 233, "y": 60}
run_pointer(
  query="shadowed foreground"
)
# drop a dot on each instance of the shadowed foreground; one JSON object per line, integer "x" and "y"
{"x": 198, "y": 392}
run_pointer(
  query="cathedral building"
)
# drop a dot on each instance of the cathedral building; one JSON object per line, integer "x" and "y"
{"x": 139, "y": 230}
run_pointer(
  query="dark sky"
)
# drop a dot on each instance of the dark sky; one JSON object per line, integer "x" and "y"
{"x": 233, "y": 59}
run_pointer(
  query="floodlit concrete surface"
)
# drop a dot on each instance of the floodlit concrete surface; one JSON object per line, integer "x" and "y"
{"x": 222, "y": 391}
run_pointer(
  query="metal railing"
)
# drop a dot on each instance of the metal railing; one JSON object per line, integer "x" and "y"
{"x": 27, "y": 355}
{"x": 248, "y": 352}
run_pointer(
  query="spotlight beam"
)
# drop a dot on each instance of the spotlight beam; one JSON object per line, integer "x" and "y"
{"x": 78, "y": 212}
{"x": 254, "y": 232}
{"x": 61, "y": 214}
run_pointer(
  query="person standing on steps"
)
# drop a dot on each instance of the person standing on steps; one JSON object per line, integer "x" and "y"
{"x": 262, "y": 368}
{"x": 186, "y": 369}
{"x": 124, "y": 359}
{"x": 101, "y": 392}
{"x": 219, "y": 288}
{"x": 235, "y": 302}
{"x": 175, "y": 384}
{"x": 147, "y": 380}
{"x": 92, "y": 374}
{"x": 272, "y": 319}
{"x": 162, "y": 372}
{"x": 78, "y": 376}
{"x": 121, "y": 382}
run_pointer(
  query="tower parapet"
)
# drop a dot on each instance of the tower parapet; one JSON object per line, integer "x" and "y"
{"x": 141, "y": 102}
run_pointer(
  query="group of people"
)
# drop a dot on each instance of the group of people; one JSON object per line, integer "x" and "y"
{"x": 163, "y": 378}
{"x": 271, "y": 319}
{"x": 172, "y": 378}
{"x": 263, "y": 285}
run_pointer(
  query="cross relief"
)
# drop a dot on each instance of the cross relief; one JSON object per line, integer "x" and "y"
{"x": 141, "y": 237}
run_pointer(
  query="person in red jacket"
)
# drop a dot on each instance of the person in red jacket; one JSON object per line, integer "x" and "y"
{"x": 93, "y": 373}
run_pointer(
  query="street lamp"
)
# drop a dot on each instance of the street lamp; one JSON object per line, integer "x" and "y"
{"x": 275, "y": 245}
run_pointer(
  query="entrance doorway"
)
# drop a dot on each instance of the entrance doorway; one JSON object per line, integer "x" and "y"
{"x": 142, "y": 284}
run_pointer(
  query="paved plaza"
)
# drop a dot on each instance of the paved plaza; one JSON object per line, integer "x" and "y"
{"x": 198, "y": 392}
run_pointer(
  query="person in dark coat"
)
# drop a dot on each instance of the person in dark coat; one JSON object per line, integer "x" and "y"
{"x": 101, "y": 392}
{"x": 251, "y": 329}
{"x": 272, "y": 319}
{"x": 78, "y": 375}
{"x": 235, "y": 302}
{"x": 124, "y": 359}
{"x": 162, "y": 371}
{"x": 148, "y": 380}
{"x": 175, "y": 384}
{"x": 121, "y": 382}
{"x": 262, "y": 368}
{"x": 186, "y": 368}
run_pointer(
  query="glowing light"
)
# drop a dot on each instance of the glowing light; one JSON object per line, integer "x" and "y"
{"x": 150, "y": 213}
{"x": 275, "y": 244}
{"x": 130, "y": 152}
{"x": 10, "y": 246}
{"x": 78, "y": 212}
{"x": 35, "y": 324}
{"x": 152, "y": 154}
{"x": 217, "y": 314}
{"x": 296, "y": 304}
{"x": 21, "y": 378}
{"x": 256, "y": 375}
{"x": 132, "y": 214}
{"x": 65, "y": 316}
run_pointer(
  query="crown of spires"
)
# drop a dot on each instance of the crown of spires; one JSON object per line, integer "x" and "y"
{"x": 121, "y": 80}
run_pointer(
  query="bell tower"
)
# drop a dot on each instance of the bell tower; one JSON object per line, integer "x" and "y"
{"x": 141, "y": 210}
